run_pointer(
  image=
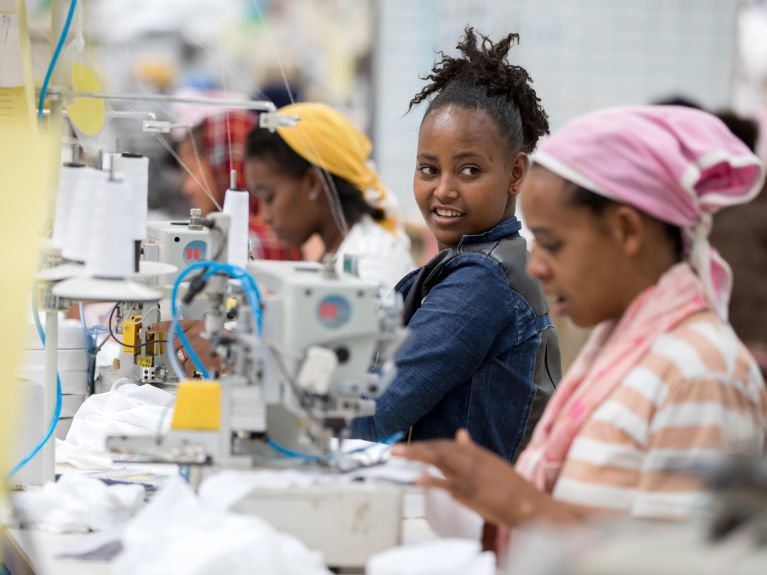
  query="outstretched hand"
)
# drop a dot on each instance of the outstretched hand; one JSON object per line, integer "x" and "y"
{"x": 482, "y": 481}
{"x": 193, "y": 331}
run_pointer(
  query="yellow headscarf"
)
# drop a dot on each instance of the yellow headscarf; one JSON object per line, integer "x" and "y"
{"x": 326, "y": 138}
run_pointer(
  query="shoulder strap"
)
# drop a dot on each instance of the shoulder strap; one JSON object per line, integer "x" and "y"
{"x": 424, "y": 281}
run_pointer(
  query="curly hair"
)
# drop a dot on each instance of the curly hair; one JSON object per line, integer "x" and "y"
{"x": 482, "y": 78}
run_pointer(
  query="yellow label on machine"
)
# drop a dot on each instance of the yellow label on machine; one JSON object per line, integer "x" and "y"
{"x": 198, "y": 406}
{"x": 144, "y": 361}
{"x": 131, "y": 339}
{"x": 155, "y": 343}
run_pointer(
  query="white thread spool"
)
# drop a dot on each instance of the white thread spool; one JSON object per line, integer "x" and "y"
{"x": 135, "y": 170}
{"x": 78, "y": 229}
{"x": 106, "y": 159}
{"x": 237, "y": 207}
{"x": 68, "y": 181}
{"x": 110, "y": 253}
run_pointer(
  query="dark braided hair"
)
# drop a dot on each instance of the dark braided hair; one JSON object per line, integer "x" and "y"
{"x": 269, "y": 146}
{"x": 483, "y": 79}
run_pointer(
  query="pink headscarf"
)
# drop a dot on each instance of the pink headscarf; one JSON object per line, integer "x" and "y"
{"x": 679, "y": 165}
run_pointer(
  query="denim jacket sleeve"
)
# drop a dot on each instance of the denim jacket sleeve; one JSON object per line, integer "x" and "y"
{"x": 451, "y": 335}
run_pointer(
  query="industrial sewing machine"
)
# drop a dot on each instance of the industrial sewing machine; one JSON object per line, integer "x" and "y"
{"x": 174, "y": 243}
{"x": 285, "y": 397}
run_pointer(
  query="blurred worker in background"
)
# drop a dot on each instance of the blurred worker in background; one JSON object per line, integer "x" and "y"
{"x": 315, "y": 178}
{"x": 209, "y": 150}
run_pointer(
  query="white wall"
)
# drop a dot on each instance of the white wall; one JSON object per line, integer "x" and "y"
{"x": 582, "y": 54}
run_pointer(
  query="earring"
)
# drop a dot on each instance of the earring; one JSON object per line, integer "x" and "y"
{"x": 313, "y": 195}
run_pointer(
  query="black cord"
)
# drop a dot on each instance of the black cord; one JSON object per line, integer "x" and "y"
{"x": 114, "y": 337}
{"x": 209, "y": 223}
{"x": 223, "y": 242}
{"x": 196, "y": 285}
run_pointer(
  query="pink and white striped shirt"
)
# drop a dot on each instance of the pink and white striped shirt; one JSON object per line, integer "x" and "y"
{"x": 697, "y": 392}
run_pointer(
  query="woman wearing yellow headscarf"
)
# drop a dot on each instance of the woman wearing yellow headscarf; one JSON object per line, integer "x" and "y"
{"x": 316, "y": 178}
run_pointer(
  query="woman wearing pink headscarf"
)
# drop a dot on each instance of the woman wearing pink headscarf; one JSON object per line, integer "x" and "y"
{"x": 620, "y": 202}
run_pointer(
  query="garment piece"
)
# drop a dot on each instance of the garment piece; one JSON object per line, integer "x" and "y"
{"x": 226, "y": 135}
{"x": 375, "y": 254}
{"x": 611, "y": 352}
{"x": 677, "y": 164}
{"x": 265, "y": 245}
{"x": 472, "y": 354}
{"x": 327, "y": 139}
{"x": 697, "y": 393}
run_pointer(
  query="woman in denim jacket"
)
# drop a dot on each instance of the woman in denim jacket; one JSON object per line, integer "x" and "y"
{"x": 482, "y": 354}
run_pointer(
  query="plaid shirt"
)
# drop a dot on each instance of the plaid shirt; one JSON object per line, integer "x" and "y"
{"x": 265, "y": 245}
{"x": 225, "y": 132}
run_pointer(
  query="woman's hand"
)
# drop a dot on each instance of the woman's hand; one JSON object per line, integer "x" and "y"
{"x": 193, "y": 331}
{"x": 483, "y": 481}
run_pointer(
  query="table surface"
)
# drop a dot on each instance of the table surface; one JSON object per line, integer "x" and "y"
{"x": 29, "y": 551}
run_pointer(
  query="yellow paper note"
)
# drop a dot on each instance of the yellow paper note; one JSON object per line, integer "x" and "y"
{"x": 24, "y": 165}
{"x": 16, "y": 85}
{"x": 11, "y": 68}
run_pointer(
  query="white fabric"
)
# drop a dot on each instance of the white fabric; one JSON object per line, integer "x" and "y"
{"x": 177, "y": 533}
{"x": 440, "y": 557}
{"x": 129, "y": 409}
{"x": 382, "y": 257}
{"x": 224, "y": 488}
{"x": 77, "y": 503}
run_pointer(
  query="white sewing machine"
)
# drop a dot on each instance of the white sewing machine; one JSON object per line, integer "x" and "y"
{"x": 286, "y": 398}
{"x": 179, "y": 244}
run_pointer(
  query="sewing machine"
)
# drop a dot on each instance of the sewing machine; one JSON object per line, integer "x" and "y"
{"x": 179, "y": 244}
{"x": 286, "y": 397}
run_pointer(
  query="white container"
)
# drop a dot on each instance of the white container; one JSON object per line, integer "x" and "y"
{"x": 70, "y": 335}
{"x": 70, "y": 404}
{"x": 67, "y": 360}
{"x": 62, "y": 427}
{"x": 72, "y": 368}
{"x": 29, "y": 431}
{"x": 72, "y": 382}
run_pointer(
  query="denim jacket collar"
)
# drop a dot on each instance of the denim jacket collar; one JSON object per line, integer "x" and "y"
{"x": 503, "y": 229}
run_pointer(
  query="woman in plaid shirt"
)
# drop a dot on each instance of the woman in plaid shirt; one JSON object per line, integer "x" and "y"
{"x": 212, "y": 148}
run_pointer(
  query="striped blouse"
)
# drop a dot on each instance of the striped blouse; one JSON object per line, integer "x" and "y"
{"x": 696, "y": 393}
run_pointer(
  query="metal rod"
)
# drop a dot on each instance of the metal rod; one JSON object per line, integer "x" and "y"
{"x": 259, "y": 105}
{"x": 49, "y": 390}
{"x": 115, "y": 114}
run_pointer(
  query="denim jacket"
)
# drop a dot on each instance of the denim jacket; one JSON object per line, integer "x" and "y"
{"x": 472, "y": 354}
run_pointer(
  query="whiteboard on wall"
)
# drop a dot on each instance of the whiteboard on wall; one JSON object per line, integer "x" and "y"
{"x": 582, "y": 55}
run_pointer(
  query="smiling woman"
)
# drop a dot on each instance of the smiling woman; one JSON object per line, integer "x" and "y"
{"x": 463, "y": 161}
{"x": 482, "y": 353}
